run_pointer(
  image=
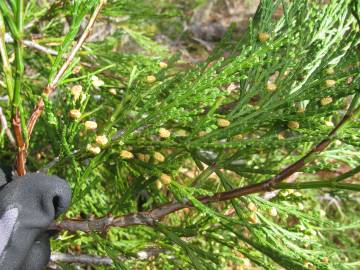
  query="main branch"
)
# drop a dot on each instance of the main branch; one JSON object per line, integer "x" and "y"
{"x": 150, "y": 217}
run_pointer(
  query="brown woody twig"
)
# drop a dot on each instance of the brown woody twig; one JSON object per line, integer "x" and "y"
{"x": 51, "y": 87}
{"x": 21, "y": 145}
{"x": 150, "y": 217}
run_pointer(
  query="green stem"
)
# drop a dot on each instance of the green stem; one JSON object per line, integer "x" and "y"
{"x": 347, "y": 175}
{"x": 20, "y": 15}
{"x": 5, "y": 59}
{"x": 203, "y": 176}
{"x": 19, "y": 54}
{"x": 353, "y": 111}
{"x": 9, "y": 19}
{"x": 19, "y": 63}
{"x": 13, "y": 5}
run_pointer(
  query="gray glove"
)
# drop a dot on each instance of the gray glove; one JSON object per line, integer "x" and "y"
{"x": 28, "y": 205}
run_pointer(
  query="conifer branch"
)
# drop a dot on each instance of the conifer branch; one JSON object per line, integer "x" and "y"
{"x": 150, "y": 217}
{"x": 18, "y": 118}
{"x": 239, "y": 126}
{"x": 5, "y": 60}
{"x": 75, "y": 49}
{"x": 21, "y": 157}
{"x": 52, "y": 85}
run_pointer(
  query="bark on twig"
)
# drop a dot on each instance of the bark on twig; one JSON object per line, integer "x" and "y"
{"x": 21, "y": 145}
{"x": 150, "y": 217}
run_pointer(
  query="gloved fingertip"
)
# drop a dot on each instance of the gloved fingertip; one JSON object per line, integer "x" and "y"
{"x": 61, "y": 195}
{"x": 54, "y": 192}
